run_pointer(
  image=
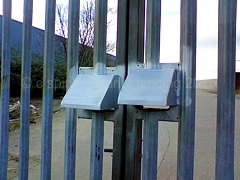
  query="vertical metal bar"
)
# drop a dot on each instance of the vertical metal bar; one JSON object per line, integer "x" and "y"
{"x": 5, "y": 87}
{"x": 97, "y": 134}
{"x": 133, "y": 126}
{"x": 138, "y": 144}
{"x": 153, "y": 33}
{"x": 186, "y": 134}
{"x": 99, "y": 65}
{"x": 134, "y": 40}
{"x": 72, "y": 71}
{"x": 150, "y": 134}
{"x": 150, "y": 146}
{"x": 48, "y": 75}
{"x": 100, "y": 30}
{"x": 25, "y": 90}
{"x": 226, "y": 90}
{"x": 118, "y": 162}
{"x": 133, "y": 148}
{"x": 141, "y": 39}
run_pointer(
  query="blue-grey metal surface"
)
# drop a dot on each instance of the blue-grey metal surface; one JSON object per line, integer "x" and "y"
{"x": 5, "y": 87}
{"x": 153, "y": 33}
{"x": 25, "y": 90}
{"x": 97, "y": 136}
{"x": 85, "y": 114}
{"x": 99, "y": 65}
{"x": 92, "y": 92}
{"x": 226, "y": 90}
{"x": 141, "y": 30}
{"x": 89, "y": 70}
{"x": 132, "y": 54}
{"x": 100, "y": 34}
{"x": 150, "y": 88}
{"x": 186, "y": 133}
{"x": 169, "y": 65}
{"x": 150, "y": 145}
{"x": 170, "y": 115}
{"x": 48, "y": 75}
{"x": 72, "y": 71}
{"x": 161, "y": 93}
{"x": 119, "y": 123}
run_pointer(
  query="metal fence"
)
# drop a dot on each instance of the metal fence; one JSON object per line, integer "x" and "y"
{"x": 128, "y": 123}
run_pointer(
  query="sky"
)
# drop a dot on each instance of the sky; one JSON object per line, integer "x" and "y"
{"x": 207, "y": 24}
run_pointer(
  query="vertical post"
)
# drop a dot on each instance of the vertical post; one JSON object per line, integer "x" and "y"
{"x": 133, "y": 145}
{"x": 99, "y": 65}
{"x": 5, "y": 87}
{"x": 97, "y": 135}
{"x": 133, "y": 126}
{"x": 150, "y": 146}
{"x": 118, "y": 161}
{"x": 150, "y": 134}
{"x": 186, "y": 134}
{"x": 25, "y": 90}
{"x": 72, "y": 71}
{"x": 48, "y": 75}
{"x": 226, "y": 89}
{"x": 141, "y": 31}
{"x": 135, "y": 33}
{"x": 153, "y": 33}
{"x": 100, "y": 34}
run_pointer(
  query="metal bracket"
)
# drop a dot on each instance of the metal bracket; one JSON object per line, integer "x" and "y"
{"x": 170, "y": 114}
{"x": 92, "y": 92}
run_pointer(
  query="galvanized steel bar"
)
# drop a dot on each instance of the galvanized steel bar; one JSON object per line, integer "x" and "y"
{"x": 226, "y": 90}
{"x": 96, "y": 156}
{"x": 118, "y": 164}
{"x": 153, "y": 33}
{"x": 25, "y": 90}
{"x": 133, "y": 126}
{"x": 99, "y": 65}
{"x": 150, "y": 134}
{"x": 133, "y": 149}
{"x": 5, "y": 87}
{"x": 186, "y": 133}
{"x": 133, "y": 34}
{"x": 72, "y": 71}
{"x": 100, "y": 34}
{"x": 150, "y": 146}
{"x": 141, "y": 31}
{"x": 48, "y": 75}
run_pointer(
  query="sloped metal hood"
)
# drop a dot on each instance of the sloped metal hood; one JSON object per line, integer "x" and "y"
{"x": 92, "y": 92}
{"x": 156, "y": 88}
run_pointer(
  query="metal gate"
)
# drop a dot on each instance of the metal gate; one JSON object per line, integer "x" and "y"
{"x": 120, "y": 98}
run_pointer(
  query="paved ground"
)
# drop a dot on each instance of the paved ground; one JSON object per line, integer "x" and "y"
{"x": 205, "y": 141}
{"x": 167, "y": 160}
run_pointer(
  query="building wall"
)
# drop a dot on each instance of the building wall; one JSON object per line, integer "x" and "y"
{"x": 38, "y": 41}
{"x": 16, "y": 38}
